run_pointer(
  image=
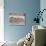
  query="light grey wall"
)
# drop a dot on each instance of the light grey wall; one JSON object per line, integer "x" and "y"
{"x": 30, "y": 7}
{"x": 43, "y": 6}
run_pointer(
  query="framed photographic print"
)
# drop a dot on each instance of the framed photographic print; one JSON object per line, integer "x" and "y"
{"x": 17, "y": 19}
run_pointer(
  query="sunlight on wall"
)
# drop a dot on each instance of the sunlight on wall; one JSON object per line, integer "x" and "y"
{"x": 1, "y": 21}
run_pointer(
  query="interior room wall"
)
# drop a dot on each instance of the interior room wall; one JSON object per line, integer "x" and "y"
{"x": 1, "y": 21}
{"x": 43, "y": 6}
{"x": 29, "y": 7}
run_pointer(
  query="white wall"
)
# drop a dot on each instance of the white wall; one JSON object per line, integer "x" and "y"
{"x": 1, "y": 21}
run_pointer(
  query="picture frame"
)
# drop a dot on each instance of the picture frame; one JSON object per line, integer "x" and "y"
{"x": 17, "y": 19}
